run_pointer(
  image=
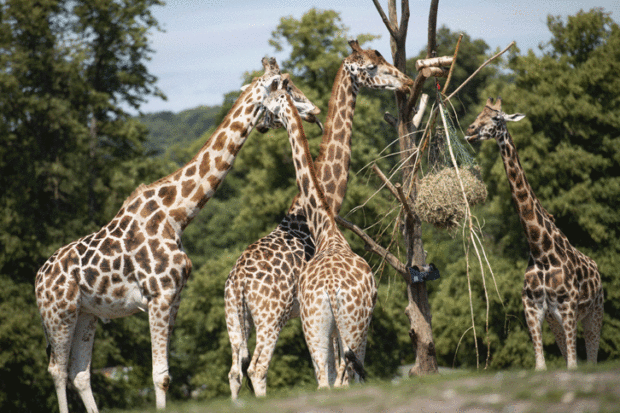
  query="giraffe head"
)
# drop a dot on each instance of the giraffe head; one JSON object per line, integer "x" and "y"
{"x": 490, "y": 122}
{"x": 307, "y": 110}
{"x": 368, "y": 68}
{"x": 263, "y": 83}
{"x": 277, "y": 105}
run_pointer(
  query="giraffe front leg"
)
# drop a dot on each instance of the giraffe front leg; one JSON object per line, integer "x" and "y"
{"x": 534, "y": 316}
{"x": 162, "y": 314}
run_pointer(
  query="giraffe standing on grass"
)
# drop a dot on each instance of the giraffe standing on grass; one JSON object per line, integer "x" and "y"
{"x": 337, "y": 290}
{"x": 136, "y": 262}
{"x": 562, "y": 285}
{"x": 261, "y": 287}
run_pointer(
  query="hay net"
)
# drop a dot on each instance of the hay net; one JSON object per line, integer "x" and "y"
{"x": 440, "y": 199}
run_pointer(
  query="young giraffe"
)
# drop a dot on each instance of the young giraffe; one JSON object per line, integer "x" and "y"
{"x": 261, "y": 287}
{"x": 136, "y": 262}
{"x": 562, "y": 285}
{"x": 337, "y": 291}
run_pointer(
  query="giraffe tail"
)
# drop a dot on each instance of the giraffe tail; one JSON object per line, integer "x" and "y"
{"x": 244, "y": 354}
{"x": 350, "y": 356}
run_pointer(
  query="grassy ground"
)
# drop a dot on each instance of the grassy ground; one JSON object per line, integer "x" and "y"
{"x": 588, "y": 389}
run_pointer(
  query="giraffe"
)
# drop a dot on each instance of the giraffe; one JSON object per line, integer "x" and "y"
{"x": 336, "y": 287}
{"x": 261, "y": 287}
{"x": 562, "y": 285}
{"x": 136, "y": 262}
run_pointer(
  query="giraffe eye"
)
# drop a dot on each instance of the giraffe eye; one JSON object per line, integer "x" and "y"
{"x": 371, "y": 67}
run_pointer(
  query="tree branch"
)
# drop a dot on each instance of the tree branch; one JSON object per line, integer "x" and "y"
{"x": 372, "y": 246}
{"x": 479, "y": 69}
{"x": 385, "y": 19}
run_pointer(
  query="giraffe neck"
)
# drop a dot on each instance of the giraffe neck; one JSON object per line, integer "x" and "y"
{"x": 311, "y": 197}
{"x": 536, "y": 222}
{"x": 186, "y": 191}
{"x": 332, "y": 163}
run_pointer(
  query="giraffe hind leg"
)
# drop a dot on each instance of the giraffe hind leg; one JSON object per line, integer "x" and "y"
{"x": 558, "y": 333}
{"x": 592, "y": 324}
{"x": 81, "y": 355}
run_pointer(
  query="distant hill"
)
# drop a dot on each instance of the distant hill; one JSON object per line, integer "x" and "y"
{"x": 167, "y": 128}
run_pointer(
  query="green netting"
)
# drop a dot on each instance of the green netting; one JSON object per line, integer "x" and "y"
{"x": 440, "y": 196}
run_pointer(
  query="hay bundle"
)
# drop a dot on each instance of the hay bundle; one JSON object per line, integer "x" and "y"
{"x": 440, "y": 201}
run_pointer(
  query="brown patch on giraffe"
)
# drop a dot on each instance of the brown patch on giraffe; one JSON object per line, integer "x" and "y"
{"x": 149, "y": 194}
{"x": 90, "y": 276}
{"x": 205, "y": 164}
{"x": 153, "y": 223}
{"x": 236, "y": 126}
{"x": 119, "y": 292}
{"x": 103, "y": 285}
{"x": 95, "y": 260}
{"x": 167, "y": 194}
{"x": 85, "y": 259}
{"x": 199, "y": 197}
{"x": 233, "y": 148}
{"x": 149, "y": 208}
{"x": 134, "y": 238}
{"x": 221, "y": 165}
{"x": 190, "y": 171}
{"x": 69, "y": 259}
{"x": 142, "y": 258}
{"x": 153, "y": 287}
{"x": 105, "y": 265}
{"x": 81, "y": 248}
{"x": 134, "y": 206}
{"x": 219, "y": 141}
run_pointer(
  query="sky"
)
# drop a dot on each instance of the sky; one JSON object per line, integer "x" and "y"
{"x": 207, "y": 45}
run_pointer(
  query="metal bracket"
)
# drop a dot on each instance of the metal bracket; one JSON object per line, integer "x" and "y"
{"x": 418, "y": 276}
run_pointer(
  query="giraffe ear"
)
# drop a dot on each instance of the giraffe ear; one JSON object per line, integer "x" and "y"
{"x": 515, "y": 117}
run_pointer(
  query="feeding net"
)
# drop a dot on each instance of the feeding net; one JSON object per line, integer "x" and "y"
{"x": 440, "y": 197}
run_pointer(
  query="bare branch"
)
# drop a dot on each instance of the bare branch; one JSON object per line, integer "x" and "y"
{"x": 404, "y": 19}
{"x": 372, "y": 246}
{"x": 453, "y": 64}
{"x": 389, "y": 118}
{"x": 478, "y": 70}
{"x": 385, "y": 19}
{"x": 386, "y": 181}
{"x": 432, "y": 29}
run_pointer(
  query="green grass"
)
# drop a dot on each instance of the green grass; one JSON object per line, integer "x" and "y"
{"x": 589, "y": 388}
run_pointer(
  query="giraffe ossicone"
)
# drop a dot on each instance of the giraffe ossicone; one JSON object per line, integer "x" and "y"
{"x": 261, "y": 289}
{"x": 136, "y": 261}
{"x": 562, "y": 285}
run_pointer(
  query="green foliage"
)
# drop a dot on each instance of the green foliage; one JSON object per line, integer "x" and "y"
{"x": 167, "y": 129}
{"x": 69, "y": 156}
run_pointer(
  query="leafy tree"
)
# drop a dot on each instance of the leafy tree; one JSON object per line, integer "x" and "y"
{"x": 70, "y": 154}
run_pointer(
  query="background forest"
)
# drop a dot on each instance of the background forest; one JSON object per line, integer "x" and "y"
{"x": 71, "y": 154}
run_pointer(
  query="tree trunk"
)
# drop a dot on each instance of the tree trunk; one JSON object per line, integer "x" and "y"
{"x": 418, "y": 310}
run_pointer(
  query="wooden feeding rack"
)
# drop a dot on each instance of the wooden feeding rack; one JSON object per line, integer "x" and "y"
{"x": 434, "y": 66}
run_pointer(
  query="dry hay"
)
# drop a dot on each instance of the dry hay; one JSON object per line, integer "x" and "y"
{"x": 440, "y": 201}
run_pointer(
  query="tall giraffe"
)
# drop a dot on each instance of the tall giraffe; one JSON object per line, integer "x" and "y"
{"x": 562, "y": 285}
{"x": 337, "y": 290}
{"x": 137, "y": 262}
{"x": 261, "y": 287}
